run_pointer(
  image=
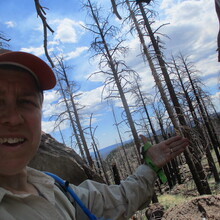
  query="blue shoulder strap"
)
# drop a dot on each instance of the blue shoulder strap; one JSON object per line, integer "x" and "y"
{"x": 65, "y": 184}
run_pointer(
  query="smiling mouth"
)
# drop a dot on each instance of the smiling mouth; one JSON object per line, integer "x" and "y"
{"x": 11, "y": 141}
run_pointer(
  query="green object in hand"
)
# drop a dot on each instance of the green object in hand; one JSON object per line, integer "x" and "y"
{"x": 151, "y": 164}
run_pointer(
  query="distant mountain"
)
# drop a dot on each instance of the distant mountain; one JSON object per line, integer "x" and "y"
{"x": 104, "y": 152}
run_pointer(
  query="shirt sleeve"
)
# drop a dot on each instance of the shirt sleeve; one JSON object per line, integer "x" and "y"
{"x": 118, "y": 201}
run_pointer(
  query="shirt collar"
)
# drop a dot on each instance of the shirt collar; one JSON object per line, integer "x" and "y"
{"x": 44, "y": 183}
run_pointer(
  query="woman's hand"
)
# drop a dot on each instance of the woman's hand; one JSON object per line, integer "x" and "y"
{"x": 166, "y": 150}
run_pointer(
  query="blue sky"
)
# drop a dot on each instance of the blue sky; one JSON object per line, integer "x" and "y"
{"x": 192, "y": 29}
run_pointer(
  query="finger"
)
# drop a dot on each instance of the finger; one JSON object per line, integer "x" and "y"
{"x": 179, "y": 144}
{"x": 177, "y": 153}
{"x": 179, "y": 149}
{"x": 173, "y": 139}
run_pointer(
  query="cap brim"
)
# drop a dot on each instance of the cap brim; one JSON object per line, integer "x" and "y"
{"x": 38, "y": 67}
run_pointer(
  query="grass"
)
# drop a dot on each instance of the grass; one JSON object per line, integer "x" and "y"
{"x": 187, "y": 191}
{"x": 169, "y": 201}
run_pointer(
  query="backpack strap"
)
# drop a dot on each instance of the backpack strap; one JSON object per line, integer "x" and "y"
{"x": 64, "y": 187}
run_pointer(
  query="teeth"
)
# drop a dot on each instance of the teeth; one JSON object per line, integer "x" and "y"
{"x": 11, "y": 140}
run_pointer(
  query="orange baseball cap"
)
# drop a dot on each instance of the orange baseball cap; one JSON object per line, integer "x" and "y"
{"x": 33, "y": 64}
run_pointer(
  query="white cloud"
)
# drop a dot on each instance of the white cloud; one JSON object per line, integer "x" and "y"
{"x": 188, "y": 11}
{"x": 51, "y": 43}
{"x": 51, "y": 97}
{"x": 48, "y": 126}
{"x": 166, "y": 4}
{"x": 93, "y": 67}
{"x": 208, "y": 66}
{"x": 68, "y": 30}
{"x": 10, "y": 24}
{"x": 38, "y": 51}
{"x": 212, "y": 82}
{"x": 92, "y": 98}
{"x": 193, "y": 31}
{"x": 54, "y": 109}
{"x": 97, "y": 77}
{"x": 52, "y": 104}
{"x": 76, "y": 53}
{"x": 51, "y": 126}
{"x": 193, "y": 28}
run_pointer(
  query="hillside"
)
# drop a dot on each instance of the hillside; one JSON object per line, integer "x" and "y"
{"x": 104, "y": 152}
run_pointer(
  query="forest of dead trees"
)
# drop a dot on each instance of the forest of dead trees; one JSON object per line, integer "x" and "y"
{"x": 179, "y": 106}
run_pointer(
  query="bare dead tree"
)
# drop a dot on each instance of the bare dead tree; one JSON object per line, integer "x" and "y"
{"x": 194, "y": 165}
{"x": 67, "y": 92}
{"x": 41, "y": 13}
{"x": 156, "y": 76}
{"x": 217, "y": 7}
{"x": 196, "y": 169}
{"x": 148, "y": 57}
{"x": 115, "y": 10}
{"x": 61, "y": 134}
{"x": 96, "y": 150}
{"x": 196, "y": 126}
{"x": 61, "y": 118}
{"x": 114, "y": 68}
{"x": 122, "y": 144}
{"x": 141, "y": 101}
{"x": 207, "y": 122}
{"x": 4, "y": 40}
{"x": 116, "y": 174}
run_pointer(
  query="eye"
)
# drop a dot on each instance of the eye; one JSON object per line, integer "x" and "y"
{"x": 28, "y": 102}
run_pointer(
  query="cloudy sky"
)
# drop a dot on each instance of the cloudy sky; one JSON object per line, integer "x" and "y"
{"x": 192, "y": 30}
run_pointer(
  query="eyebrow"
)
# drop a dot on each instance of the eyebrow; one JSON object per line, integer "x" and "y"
{"x": 23, "y": 94}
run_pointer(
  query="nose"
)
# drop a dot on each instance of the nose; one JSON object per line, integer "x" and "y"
{"x": 11, "y": 116}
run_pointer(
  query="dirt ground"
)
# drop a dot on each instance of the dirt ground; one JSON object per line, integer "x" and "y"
{"x": 201, "y": 208}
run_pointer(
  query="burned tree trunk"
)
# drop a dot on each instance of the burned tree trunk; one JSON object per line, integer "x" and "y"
{"x": 196, "y": 169}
